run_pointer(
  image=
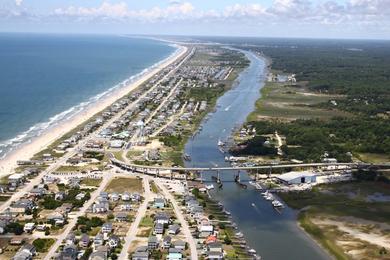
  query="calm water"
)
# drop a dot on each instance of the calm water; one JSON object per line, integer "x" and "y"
{"x": 47, "y": 78}
{"x": 271, "y": 234}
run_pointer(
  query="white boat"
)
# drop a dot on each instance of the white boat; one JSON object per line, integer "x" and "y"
{"x": 277, "y": 204}
{"x": 252, "y": 251}
{"x": 269, "y": 197}
{"x": 253, "y": 205}
{"x": 239, "y": 235}
{"x": 220, "y": 143}
{"x": 210, "y": 187}
{"x": 265, "y": 193}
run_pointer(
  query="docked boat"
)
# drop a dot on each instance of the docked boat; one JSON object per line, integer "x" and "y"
{"x": 269, "y": 197}
{"x": 265, "y": 193}
{"x": 187, "y": 157}
{"x": 252, "y": 251}
{"x": 220, "y": 143}
{"x": 239, "y": 235}
{"x": 210, "y": 187}
{"x": 277, "y": 204}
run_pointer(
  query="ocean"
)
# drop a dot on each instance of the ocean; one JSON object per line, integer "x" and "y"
{"x": 47, "y": 78}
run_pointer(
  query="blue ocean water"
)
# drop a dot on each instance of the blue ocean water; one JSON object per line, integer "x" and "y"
{"x": 46, "y": 78}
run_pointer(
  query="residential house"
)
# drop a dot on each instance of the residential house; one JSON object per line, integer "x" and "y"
{"x": 179, "y": 244}
{"x": 98, "y": 240}
{"x": 57, "y": 218}
{"x": 107, "y": 227}
{"x": 121, "y": 217}
{"x": 38, "y": 192}
{"x": 206, "y": 230}
{"x": 60, "y": 195}
{"x": 65, "y": 208}
{"x": 125, "y": 207}
{"x": 84, "y": 240}
{"x": 136, "y": 197}
{"x": 70, "y": 239}
{"x": 159, "y": 203}
{"x": 153, "y": 242}
{"x": 126, "y": 196}
{"x": 22, "y": 205}
{"x": 162, "y": 218}
{"x": 113, "y": 241}
{"x": 174, "y": 254}
{"x": 214, "y": 255}
{"x": 98, "y": 255}
{"x": 159, "y": 229}
{"x": 114, "y": 196}
{"x": 174, "y": 229}
{"x": 69, "y": 252}
{"x": 167, "y": 241}
{"x": 215, "y": 247}
{"x": 80, "y": 196}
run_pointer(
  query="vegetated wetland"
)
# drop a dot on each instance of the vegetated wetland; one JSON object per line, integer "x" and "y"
{"x": 338, "y": 107}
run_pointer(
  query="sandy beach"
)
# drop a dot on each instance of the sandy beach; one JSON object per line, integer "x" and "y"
{"x": 26, "y": 151}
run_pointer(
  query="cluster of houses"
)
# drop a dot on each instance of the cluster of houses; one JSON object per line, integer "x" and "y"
{"x": 102, "y": 203}
{"x": 103, "y": 244}
{"x": 205, "y": 230}
{"x": 164, "y": 237}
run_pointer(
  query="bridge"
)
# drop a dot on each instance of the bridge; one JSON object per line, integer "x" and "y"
{"x": 157, "y": 170}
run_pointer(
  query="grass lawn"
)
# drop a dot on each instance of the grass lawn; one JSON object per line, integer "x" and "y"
{"x": 43, "y": 244}
{"x": 146, "y": 221}
{"x": 123, "y": 184}
{"x": 154, "y": 188}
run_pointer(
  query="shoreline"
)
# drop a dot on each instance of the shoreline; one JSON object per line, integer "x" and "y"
{"x": 29, "y": 149}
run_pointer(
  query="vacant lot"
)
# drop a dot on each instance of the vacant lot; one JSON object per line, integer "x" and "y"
{"x": 123, "y": 184}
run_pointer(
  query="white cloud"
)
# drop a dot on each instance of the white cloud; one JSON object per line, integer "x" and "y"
{"x": 294, "y": 13}
{"x": 18, "y": 2}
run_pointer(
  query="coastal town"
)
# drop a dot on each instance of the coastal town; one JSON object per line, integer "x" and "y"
{"x": 121, "y": 186}
{"x": 71, "y": 202}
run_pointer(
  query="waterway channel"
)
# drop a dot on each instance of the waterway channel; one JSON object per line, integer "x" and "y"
{"x": 272, "y": 234}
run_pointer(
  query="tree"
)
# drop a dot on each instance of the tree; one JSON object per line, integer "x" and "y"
{"x": 15, "y": 228}
{"x": 39, "y": 244}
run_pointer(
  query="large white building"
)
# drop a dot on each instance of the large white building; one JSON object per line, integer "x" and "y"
{"x": 298, "y": 177}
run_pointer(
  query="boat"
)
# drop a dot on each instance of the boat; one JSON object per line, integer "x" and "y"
{"x": 277, "y": 204}
{"x": 210, "y": 187}
{"x": 252, "y": 251}
{"x": 265, "y": 193}
{"x": 187, "y": 157}
{"x": 253, "y": 205}
{"x": 269, "y": 197}
{"x": 239, "y": 234}
{"x": 220, "y": 143}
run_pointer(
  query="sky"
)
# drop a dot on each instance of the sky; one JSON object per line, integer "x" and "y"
{"x": 361, "y": 19}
